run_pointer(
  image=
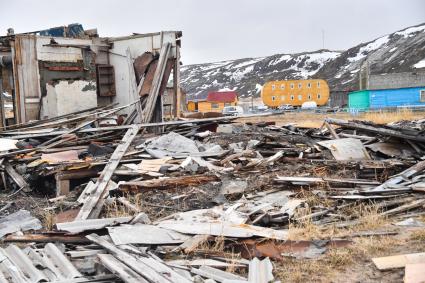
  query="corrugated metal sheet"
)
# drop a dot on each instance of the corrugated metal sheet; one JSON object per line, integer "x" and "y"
{"x": 222, "y": 96}
{"x": 35, "y": 265}
{"x": 395, "y": 97}
{"x": 358, "y": 99}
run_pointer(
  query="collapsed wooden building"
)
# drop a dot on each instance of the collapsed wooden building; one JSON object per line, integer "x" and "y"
{"x": 55, "y": 72}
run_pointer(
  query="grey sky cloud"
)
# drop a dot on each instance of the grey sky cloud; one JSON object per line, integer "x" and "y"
{"x": 226, "y": 29}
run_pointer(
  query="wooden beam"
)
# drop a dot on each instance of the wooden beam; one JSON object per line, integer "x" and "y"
{"x": 16, "y": 177}
{"x": 98, "y": 193}
{"x": 376, "y": 129}
{"x": 156, "y": 83}
{"x": 168, "y": 183}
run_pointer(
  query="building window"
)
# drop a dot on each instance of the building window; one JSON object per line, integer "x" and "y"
{"x": 318, "y": 84}
{"x": 292, "y": 97}
{"x": 282, "y": 86}
{"x": 227, "y": 104}
{"x": 292, "y": 86}
{"x": 282, "y": 97}
{"x": 309, "y": 97}
{"x": 309, "y": 85}
{"x": 300, "y": 85}
{"x": 273, "y": 98}
{"x": 300, "y": 97}
{"x": 215, "y": 105}
{"x": 273, "y": 87}
{"x": 422, "y": 98}
{"x": 318, "y": 96}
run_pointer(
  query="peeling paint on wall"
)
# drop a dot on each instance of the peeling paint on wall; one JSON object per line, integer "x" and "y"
{"x": 66, "y": 97}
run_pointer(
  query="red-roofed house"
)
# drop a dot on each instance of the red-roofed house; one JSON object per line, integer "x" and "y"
{"x": 214, "y": 102}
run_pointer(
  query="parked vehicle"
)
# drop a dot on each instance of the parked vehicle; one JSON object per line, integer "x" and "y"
{"x": 232, "y": 110}
{"x": 309, "y": 105}
{"x": 286, "y": 107}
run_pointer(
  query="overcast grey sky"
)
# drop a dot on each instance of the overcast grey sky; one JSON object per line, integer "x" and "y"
{"x": 218, "y": 30}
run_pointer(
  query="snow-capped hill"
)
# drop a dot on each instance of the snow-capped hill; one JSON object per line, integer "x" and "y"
{"x": 397, "y": 52}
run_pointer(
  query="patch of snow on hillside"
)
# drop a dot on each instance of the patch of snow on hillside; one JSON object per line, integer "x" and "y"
{"x": 363, "y": 51}
{"x": 420, "y": 64}
{"x": 411, "y": 31}
{"x": 249, "y": 62}
{"x": 228, "y": 89}
{"x": 281, "y": 59}
{"x": 258, "y": 88}
{"x": 239, "y": 74}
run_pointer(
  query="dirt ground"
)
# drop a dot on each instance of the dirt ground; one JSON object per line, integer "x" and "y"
{"x": 315, "y": 120}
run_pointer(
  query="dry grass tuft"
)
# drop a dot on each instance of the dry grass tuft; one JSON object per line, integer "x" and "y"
{"x": 418, "y": 235}
{"x": 49, "y": 219}
{"x": 375, "y": 246}
{"x": 300, "y": 271}
{"x": 339, "y": 257}
{"x": 115, "y": 209}
{"x": 315, "y": 120}
{"x": 369, "y": 217}
{"x": 384, "y": 117}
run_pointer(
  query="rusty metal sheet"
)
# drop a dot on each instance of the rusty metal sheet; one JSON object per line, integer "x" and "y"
{"x": 141, "y": 64}
{"x": 63, "y": 156}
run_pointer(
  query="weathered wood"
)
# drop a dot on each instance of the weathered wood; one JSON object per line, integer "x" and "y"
{"x": 94, "y": 201}
{"x": 398, "y": 261}
{"x": 46, "y": 238}
{"x": 173, "y": 182}
{"x": 148, "y": 79}
{"x": 375, "y": 129}
{"x": 62, "y": 186}
{"x": 18, "y": 179}
{"x": 408, "y": 173}
{"x": 133, "y": 84}
{"x": 156, "y": 83}
{"x": 405, "y": 207}
{"x": 141, "y": 64}
{"x": 128, "y": 205}
{"x": 331, "y": 130}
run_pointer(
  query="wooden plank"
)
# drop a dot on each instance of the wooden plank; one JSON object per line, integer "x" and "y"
{"x": 331, "y": 130}
{"x": 120, "y": 269}
{"x": 375, "y": 129}
{"x": 414, "y": 273}
{"x": 46, "y": 238}
{"x": 167, "y": 183}
{"x": 128, "y": 204}
{"x": 105, "y": 176}
{"x": 398, "y": 261}
{"x": 18, "y": 179}
{"x": 156, "y": 83}
{"x": 133, "y": 84}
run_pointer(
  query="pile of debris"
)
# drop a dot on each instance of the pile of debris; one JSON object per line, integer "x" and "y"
{"x": 204, "y": 201}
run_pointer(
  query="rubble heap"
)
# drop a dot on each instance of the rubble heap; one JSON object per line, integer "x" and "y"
{"x": 205, "y": 200}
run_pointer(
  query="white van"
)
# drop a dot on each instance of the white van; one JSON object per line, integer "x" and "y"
{"x": 309, "y": 105}
{"x": 232, "y": 111}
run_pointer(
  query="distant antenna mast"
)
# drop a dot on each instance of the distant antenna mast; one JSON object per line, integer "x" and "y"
{"x": 323, "y": 39}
